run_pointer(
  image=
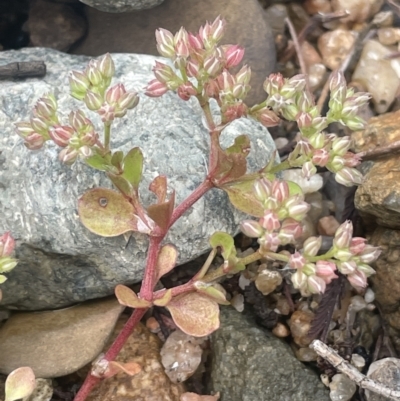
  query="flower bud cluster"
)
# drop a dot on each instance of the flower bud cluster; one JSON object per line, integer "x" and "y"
{"x": 202, "y": 68}
{"x": 344, "y": 104}
{"x": 36, "y": 131}
{"x": 350, "y": 256}
{"x": 91, "y": 87}
{"x": 280, "y": 223}
{"x": 7, "y": 263}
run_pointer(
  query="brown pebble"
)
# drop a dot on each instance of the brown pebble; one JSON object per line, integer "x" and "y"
{"x": 280, "y": 330}
{"x": 327, "y": 226}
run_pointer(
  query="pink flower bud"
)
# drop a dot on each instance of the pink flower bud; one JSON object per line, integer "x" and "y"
{"x": 234, "y": 55}
{"x": 290, "y": 230}
{"x": 316, "y": 284}
{"x": 271, "y": 203}
{"x": 235, "y": 111}
{"x": 319, "y": 123}
{"x": 217, "y": 29}
{"x": 357, "y": 245}
{"x": 304, "y": 147}
{"x": 262, "y": 189}
{"x": 337, "y": 86}
{"x": 24, "y": 129}
{"x": 296, "y": 208}
{"x": 299, "y": 279}
{"x": 270, "y": 221}
{"x": 205, "y": 33}
{"x": 61, "y": 134}
{"x": 182, "y": 48}
{"x": 312, "y": 245}
{"x": 106, "y": 66}
{"x": 165, "y": 43}
{"x": 164, "y": 73}
{"x": 269, "y": 242}
{"x": 273, "y": 83}
{"x": 318, "y": 140}
{"x": 85, "y": 152}
{"x": 44, "y": 108}
{"x": 186, "y": 90}
{"x": 320, "y": 157}
{"x": 251, "y": 228}
{"x": 305, "y": 102}
{"x": 370, "y": 254}
{"x": 212, "y": 66}
{"x": 7, "y": 244}
{"x": 212, "y": 89}
{"x": 309, "y": 269}
{"x": 226, "y": 81}
{"x": 192, "y": 68}
{"x": 267, "y": 117}
{"x": 304, "y": 120}
{"x": 77, "y": 120}
{"x": 239, "y": 91}
{"x": 195, "y": 41}
{"x": 68, "y": 155}
{"x": 326, "y": 270}
{"x": 280, "y": 190}
{"x": 34, "y": 141}
{"x": 155, "y": 88}
{"x": 107, "y": 113}
{"x": 351, "y": 159}
{"x": 355, "y": 123}
{"x": 298, "y": 82}
{"x": 93, "y": 100}
{"x": 129, "y": 100}
{"x": 347, "y": 267}
{"x": 297, "y": 261}
{"x": 89, "y": 139}
{"x": 114, "y": 94}
{"x": 348, "y": 177}
{"x": 79, "y": 84}
{"x": 308, "y": 170}
{"x": 343, "y": 235}
{"x": 358, "y": 280}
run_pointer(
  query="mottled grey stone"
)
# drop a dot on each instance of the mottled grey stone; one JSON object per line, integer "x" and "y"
{"x": 387, "y": 372}
{"x": 121, "y": 6}
{"x": 250, "y": 364}
{"x": 61, "y": 262}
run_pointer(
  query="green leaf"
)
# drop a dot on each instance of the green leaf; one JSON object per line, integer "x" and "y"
{"x": 195, "y": 314}
{"x": 127, "y": 297}
{"x": 165, "y": 299}
{"x": 211, "y": 292}
{"x": 225, "y": 242}
{"x": 116, "y": 158}
{"x": 241, "y": 195}
{"x": 7, "y": 264}
{"x": 121, "y": 184}
{"x": 20, "y": 383}
{"x": 133, "y": 167}
{"x": 166, "y": 260}
{"x": 98, "y": 162}
{"x": 106, "y": 212}
{"x": 2, "y": 279}
{"x": 294, "y": 189}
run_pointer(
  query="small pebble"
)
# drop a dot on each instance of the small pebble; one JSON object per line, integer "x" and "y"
{"x": 267, "y": 281}
{"x": 152, "y": 325}
{"x": 358, "y": 361}
{"x": 383, "y": 19}
{"x": 388, "y": 36}
{"x": 317, "y": 6}
{"x": 306, "y": 355}
{"x": 327, "y": 226}
{"x": 369, "y": 295}
{"x": 342, "y": 388}
{"x": 300, "y": 324}
{"x": 280, "y": 330}
{"x": 316, "y": 76}
{"x": 243, "y": 281}
{"x": 281, "y": 142}
{"x": 238, "y": 302}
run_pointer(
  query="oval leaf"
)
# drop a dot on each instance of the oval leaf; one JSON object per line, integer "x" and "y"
{"x": 106, "y": 212}
{"x": 164, "y": 300}
{"x": 195, "y": 314}
{"x": 116, "y": 158}
{"x": 127, "y": 297}
{"x": 166, "y": 260}
{"x": 20, "y": 383}
{"x": 211, "y": 292}
{"x": 133, "y": 167}
{"x": 225, "y": 242}
{"x": 121, "y": 184}
{"x": 98, "y": 162}
{"x": 161, "y": 212}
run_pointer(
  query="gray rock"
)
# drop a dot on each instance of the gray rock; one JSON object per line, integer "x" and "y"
{"x": 61, "y": 262}
{"x": 121, "y": 6}
{"x": 387, "y": 372}
{"x": 250, "y": 364}
{"x": 134, "y": 32}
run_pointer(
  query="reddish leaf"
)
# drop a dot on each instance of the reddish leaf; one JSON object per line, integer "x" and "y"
{"x": 195, "y": 314}
{"x": 114, "y": 367}
{"x": 161, "y": 212}
{"x": 166, "y": 260}
{"x": 20, "y": 383}
{"x": 106, "y": 212}
{"x": 159, "y": 187}
{"x": 164, "y": 301}
{"x": 127, "y": 297}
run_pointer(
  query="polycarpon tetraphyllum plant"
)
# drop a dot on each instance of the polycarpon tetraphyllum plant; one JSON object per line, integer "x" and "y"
{"x": 199, "y": 67}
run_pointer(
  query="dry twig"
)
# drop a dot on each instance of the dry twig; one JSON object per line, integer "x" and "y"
{"x": 351, "y": 372}
{"x": 394, "y": 147}
{"x": 25, "y": 69}
{"x": 298, "y": 50}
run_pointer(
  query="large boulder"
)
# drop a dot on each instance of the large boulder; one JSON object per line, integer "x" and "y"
{"x": 60, "y": 261}
{"x": 121, "y": 6}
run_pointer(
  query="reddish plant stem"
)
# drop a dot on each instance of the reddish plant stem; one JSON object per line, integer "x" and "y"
{"x": 111, "y": 354}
